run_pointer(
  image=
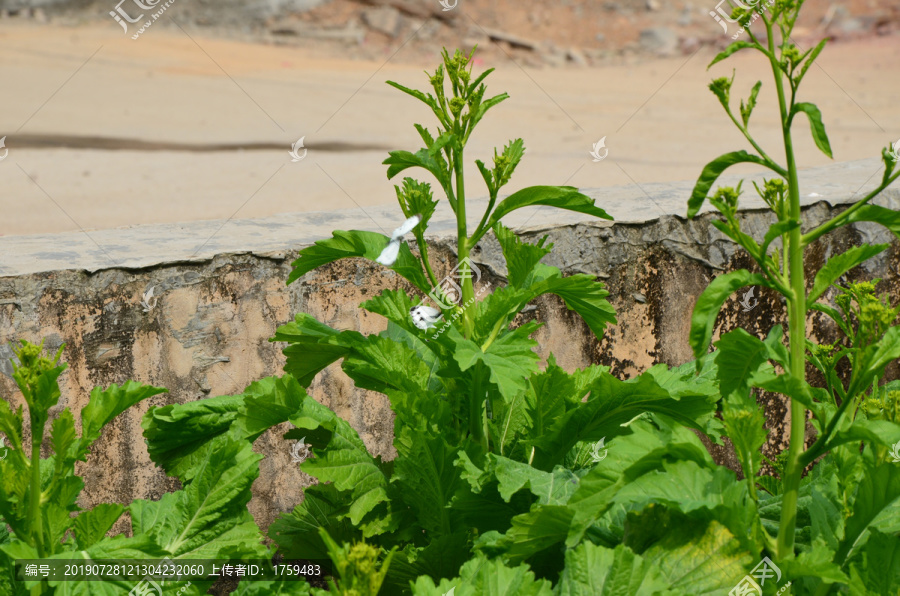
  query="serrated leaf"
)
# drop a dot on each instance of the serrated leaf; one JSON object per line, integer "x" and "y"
{"x": 731, "y": 49}
{"x": 344, "y": 461}
{"x": 356, "y": 243}
{"x": 92, "y": 525}
{"x": 426, "y": 478}
{"x": 297, "y": 532}
{"x": 210, "y": 514}
{"x": 179, "y": 436}
{"x": 747, "y": 111}
{"x": 592, "y": 570}
{"x": 839, "y": 264}
{"x": 889, "y": 218}
{"x": 510, "y": 359}
{"x": 520, "y": 257}
{"x": 104, "y": 405}
{"x": 611, "y": 404}
{"x": 710, "y": 302}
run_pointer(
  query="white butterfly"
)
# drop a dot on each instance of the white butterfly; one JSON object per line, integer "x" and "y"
{"x": 392, "y": 250}
{"x": 424, "y": 317}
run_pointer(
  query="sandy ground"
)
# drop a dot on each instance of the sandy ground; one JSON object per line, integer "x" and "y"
{"x": 65, "y": 90}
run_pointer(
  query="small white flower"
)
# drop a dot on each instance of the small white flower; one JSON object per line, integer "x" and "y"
{"x": 389, "y": 255}
{"x": 424, "y": 317}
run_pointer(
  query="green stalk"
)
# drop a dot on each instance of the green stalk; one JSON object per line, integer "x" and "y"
{"x": 468, "y": 289}
{"x": 37, "y": 518}
{"x": 797, "y": 325}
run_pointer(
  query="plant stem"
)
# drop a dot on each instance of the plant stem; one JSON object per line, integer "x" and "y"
{"x": 465, "y": 273}
{"x": 797, "y": 325}
{"x": 37, "y": 518}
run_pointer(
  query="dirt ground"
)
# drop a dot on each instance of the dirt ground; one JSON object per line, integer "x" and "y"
{"x": 189, "y": 122}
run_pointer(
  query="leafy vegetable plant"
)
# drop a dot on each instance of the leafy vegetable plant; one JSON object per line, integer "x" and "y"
{"x": 497, "y": 473}
{"x": 207, "y": 519}
{"x": 852, "y": 414}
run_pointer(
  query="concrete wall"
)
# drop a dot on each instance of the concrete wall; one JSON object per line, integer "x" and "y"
{"x": 221, "y": 294}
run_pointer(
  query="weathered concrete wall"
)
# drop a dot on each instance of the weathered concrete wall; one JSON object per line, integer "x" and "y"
{"x": 218, "y": 305}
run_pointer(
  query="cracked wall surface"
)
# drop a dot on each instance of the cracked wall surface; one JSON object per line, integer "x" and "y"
{"x": 208, "y": 330}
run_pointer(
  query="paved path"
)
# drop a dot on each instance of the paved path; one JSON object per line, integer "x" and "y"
{"x": 202, "y": 127}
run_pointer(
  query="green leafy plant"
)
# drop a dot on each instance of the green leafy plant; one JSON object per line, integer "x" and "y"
{"x": 207, "y": 519}
{"x": 494, "y": 471}
{"x": 871, "y": 343}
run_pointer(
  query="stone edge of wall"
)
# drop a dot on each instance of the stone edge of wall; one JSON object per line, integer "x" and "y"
{"x": 144, "y": 246}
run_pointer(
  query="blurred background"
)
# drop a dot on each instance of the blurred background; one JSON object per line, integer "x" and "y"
{"x": 158, "y": 111}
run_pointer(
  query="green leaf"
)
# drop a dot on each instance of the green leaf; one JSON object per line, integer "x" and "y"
{"x": 297, "y": 532}
{"x": 612, "y": 404}
{"x": 879, "y": 488}
{"x": 267, "y": 403}
{"x": 889, "y": 218}
{"x": 810, "y": 59}
{"x": 208, "y": 516}
{"x": 91, "y": 526}
{"x": 311, "y": 349}
{"x": 356, "y": 243}
{"x": 740, "y": 357}
{"x": 510, "y": 359}
{"x": 426, "y": 478}
{"x": 441, "y": 558}
{"x": 551, "y": 488}
{"x": 731, "y": 49}
{"x": 344, "y": 461}
{"x": 816, "y": 126}
{"x": 747, "y": 111}
{"x": 710, "y": 302}
{"x": 561, "y": 197}
{"x": 581, "y": 293}
{"x": 179, "y": 436}
{"x": 105, "y": 405}
{"x": 815, "y": 563}
{"x": 874, "y": 359}
{"x": 484, "y": 577}
{"x": 520, "y": 257}
{"x": 839, "y": 264}
{"x": 416, "y": 198}
{"x": 592, "y": 570}
{"x": 711, "y": 173}
{"x": 877, "y": 569}
{"x": 692, "y": 558}
{"x": 423, "y": 158}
